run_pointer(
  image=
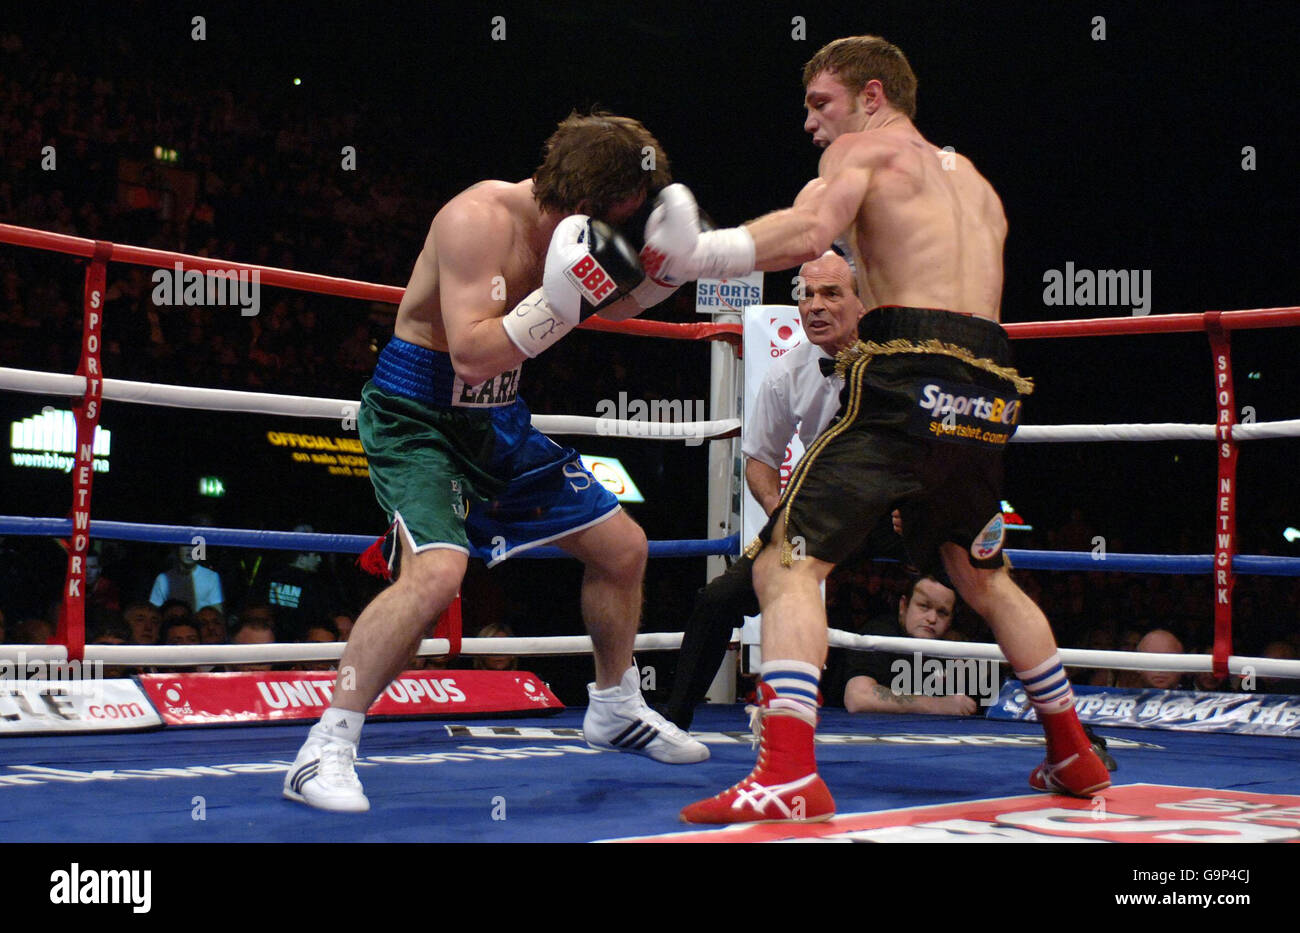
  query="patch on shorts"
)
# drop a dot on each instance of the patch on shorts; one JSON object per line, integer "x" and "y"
{"x": 501, "y": 389}
{"x": 964, "y": 413}
{"x": 989, "y": 541}
{"x": 460, "y": 505}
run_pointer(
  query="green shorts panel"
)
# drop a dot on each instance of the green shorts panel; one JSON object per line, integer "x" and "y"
{"x": 425, "y": 464}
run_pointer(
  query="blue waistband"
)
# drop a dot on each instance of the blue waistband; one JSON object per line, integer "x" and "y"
{"x": 416, "y": 372}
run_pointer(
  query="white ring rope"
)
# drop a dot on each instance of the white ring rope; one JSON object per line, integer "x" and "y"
{"x": 333, "y": 409}
{"x": 1070, "y": 657}
{"x": 286, "y": 652}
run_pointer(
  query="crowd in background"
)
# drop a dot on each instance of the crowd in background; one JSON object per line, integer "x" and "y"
{"x": 259, "y": 188}
{"x": 255, "y": 189}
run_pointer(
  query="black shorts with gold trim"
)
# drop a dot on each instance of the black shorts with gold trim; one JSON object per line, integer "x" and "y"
{"x": 929, "y": 403}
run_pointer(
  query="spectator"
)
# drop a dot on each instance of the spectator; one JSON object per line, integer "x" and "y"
{"x": 34, "y": 631}
{"x": 1279, "y": 651}
{"x": 1156, "y": 641}
{"x": 255, "y": 629}
{"x": 343, "y": 622}
{"x": 496, "y": 662}
{"x": 101, "y": 592}
{"x": 212, "y": 626}
{"x": 1208, "y": 681}
{"x": 144, "y": 620}
{"x": 323, "y": 631}
{"x": 188, "y": 581}
{"x": 111, "y": 631}
{"x": 175, "y": 609}
{"x": 925, "y": 610}
{"x": 297, "y": 592}
{"x": 180, "y": 630}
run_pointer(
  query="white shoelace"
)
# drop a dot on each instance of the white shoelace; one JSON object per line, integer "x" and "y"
{"x": 337, "y": 763}
{"x": 665, "y": 727}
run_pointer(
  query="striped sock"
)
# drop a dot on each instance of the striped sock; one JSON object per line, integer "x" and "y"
{"x": 1047, "y": 686}
{"x": 795, "y": 683}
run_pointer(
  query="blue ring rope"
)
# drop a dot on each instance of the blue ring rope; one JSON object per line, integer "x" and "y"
{"x": 300, "y": 541}
{"x": 1262, "y": 565}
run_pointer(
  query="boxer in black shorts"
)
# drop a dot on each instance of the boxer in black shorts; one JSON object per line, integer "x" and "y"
{"x": 919, "y": 430}
{"x": 929, "y": 402}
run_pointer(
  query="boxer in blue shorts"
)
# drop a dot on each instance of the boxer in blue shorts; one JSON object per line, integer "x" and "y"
{"x": 507, "y": 269}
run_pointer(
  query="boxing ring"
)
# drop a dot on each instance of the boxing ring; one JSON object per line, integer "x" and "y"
{"x": 505, "y": 779}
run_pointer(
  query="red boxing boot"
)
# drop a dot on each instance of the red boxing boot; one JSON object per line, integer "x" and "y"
{"x": 784, "y": 786}
{"x": 1072, "y": 766}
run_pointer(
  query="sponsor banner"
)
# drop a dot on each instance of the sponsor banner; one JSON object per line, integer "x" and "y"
{"x": 964, "y": 413}
{"x": 279, "y": 696}
{"x": 37, "y": 707}
{"x": 734, "y": 295}
{"x": 1130, "y": 813}
{"x": 1179, "y": 710}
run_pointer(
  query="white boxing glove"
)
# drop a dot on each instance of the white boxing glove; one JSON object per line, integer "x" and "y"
{"x": 677, "y": 251}
{"x": 589, "y": 265}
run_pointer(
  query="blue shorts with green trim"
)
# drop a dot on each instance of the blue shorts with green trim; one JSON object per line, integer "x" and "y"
{"x": 462, "y": 467}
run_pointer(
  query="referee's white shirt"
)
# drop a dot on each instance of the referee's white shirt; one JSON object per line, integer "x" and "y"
{"x": 793, "y": 395}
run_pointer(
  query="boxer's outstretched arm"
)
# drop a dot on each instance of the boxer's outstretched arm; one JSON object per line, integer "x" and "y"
{"x": 824, "y": 209}
{"x": 473, "y": 242}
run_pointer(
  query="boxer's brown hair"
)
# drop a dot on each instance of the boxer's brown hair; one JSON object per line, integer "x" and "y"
{"x": 855, "y": 60}
{"x": 599, "y": 158}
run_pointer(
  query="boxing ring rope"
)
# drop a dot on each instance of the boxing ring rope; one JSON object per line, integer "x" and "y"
{"x": 301, "y": 406}
{"x": 578, "y": 645}
{"x": 89, "y": 384}
{"x": 333, "y": 409}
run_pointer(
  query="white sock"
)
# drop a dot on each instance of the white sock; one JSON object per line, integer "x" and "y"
{"x": 620, "y": 689}
{"x": 340, "y": 724}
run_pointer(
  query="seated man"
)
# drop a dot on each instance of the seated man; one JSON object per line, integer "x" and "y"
{"x": 252, "y": 629}
{"x": 925, "y": 610}
{"x": 1156, "y": 641}
{"x": 144, "y": 619}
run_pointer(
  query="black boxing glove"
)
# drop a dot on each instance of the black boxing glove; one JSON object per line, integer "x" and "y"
{"x": 589, "y": 266}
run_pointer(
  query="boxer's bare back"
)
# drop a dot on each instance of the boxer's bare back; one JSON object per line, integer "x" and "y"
{"x": 925, "y": 227}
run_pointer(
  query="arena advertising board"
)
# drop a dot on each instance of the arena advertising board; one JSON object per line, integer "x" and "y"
{"x": 1182, "y": 710}
{"x": 280, "y": 696}
{"x": 729, "y": 295}
{"x": 36, "y": 707}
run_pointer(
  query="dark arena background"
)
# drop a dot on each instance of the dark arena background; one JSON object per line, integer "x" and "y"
{"x": 1154, "y": 137}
